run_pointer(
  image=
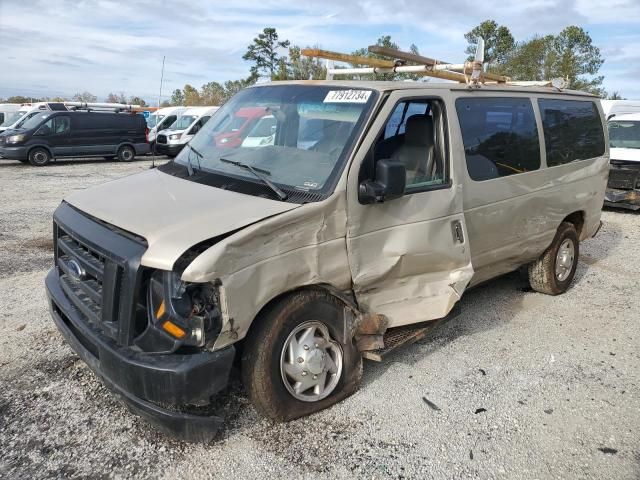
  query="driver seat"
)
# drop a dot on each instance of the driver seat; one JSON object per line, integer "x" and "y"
{"x": 417, "y": 153}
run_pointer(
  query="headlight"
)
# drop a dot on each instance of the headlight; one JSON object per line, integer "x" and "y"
{"x": 187, "y": 312}
{"x": 175, "y": 136}
{"x": 16, "y": 138}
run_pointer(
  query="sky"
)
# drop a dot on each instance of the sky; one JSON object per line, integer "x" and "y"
{"x": 60, "y": 47}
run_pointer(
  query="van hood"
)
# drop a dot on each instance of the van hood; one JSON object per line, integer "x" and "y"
{"x": 626, "y": 154}
{"x": 171, "y": 213}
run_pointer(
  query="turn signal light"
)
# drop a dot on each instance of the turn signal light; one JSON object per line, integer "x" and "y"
{"x": 173, "y": 329}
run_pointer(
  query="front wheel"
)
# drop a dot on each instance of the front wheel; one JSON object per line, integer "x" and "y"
{"x": 39, "y": 157}
{"x": 553, "y": 272}
{"x": 126, "y": 153}
{"x": 293, "y": 362}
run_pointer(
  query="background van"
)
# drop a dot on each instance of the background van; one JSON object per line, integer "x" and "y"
{"x": 66, "y": 134}
{"x": 160, "y": 120}
{"x": 6, "y": 109}
{"x": 172, "y": 140}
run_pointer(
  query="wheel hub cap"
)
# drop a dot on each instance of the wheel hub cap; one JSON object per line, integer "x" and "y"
{"x": 311, "y": 362}
{"x": 564, "y": 260}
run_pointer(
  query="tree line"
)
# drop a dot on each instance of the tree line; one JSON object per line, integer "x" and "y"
{"x": 570, "y": 55}
{"x": 86, "y": 97}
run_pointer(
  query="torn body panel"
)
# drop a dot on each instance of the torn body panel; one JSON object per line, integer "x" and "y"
{"x": 409, "y": 257}
{"x": 255, "y": 265}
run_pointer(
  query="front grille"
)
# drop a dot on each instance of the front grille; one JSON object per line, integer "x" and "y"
{"x": 90, "y": 280}
{"x": 625, "y": 178}
{"x": 162, "y": 139}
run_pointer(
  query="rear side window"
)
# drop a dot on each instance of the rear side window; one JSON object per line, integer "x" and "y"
{"x": 572, "y": 130}
{"x": 500, "y": 136}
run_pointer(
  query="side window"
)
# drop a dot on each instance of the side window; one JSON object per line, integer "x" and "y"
{"x": 415, "y": 136}
{"x": 500, "y": 136}
{"x": 168, "y": 121}
{"x": 572, "y": 130}
{"x": 198, "y": 125}
{"x": 61, "y": 125}
{"x": 46, "y": 128}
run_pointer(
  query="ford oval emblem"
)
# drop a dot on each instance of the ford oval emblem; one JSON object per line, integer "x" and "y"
{"x": 76, "y": 270}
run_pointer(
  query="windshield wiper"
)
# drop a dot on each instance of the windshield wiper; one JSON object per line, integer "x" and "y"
{"x": 199, "y": 155}
{"x": 259, "y": 173}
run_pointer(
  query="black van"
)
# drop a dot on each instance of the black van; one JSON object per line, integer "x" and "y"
{"x": 50, "y": 135}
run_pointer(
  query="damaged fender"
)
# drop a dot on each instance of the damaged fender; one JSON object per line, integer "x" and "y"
{"x": 304, "y": 246}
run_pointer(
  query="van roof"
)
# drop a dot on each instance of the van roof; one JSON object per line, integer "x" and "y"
{"x": 635, "y": 117}
{"x": 199, "y": 110}
{"x": 385, "y": 86}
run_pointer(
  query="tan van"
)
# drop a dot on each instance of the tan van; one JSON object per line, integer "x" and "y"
{"x": 374, "y": 207}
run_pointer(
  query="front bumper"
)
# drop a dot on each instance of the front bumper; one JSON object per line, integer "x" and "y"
{"x": 171, "y": 149}
{"x": 141, "y": 379}
{"x": 14, "y": 153}
{"x": 629, "y": 199}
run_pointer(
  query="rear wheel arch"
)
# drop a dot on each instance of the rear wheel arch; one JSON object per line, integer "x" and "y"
{"x": 576, "y": 218}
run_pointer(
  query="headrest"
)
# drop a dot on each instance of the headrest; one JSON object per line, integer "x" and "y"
{"x": 419, "y": 131}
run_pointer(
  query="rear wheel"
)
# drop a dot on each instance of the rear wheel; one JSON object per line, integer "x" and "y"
{"x": 294, "y": 364}
{"x": 39, "y": 157}
{"x": 126, "y": 153}
{"x": 553, "y": 272}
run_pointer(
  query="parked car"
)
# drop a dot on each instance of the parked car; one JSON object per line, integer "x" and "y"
{"x": 7, "y": 109}
{"x": 172, "y": 140}
{"x": 623, "y": 189}
{"x": 232, "y": 128}
{"x": 65, "y": 134}
{"x": 160, "y": 120}
{"x": 294, "y": 260}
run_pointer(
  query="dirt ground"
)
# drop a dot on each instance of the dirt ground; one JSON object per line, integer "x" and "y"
{"x": 519, "y": 385}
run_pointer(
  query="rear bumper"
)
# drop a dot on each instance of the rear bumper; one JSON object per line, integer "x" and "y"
{"x": 629, "y": 199}
{"x": 142, "y": 148}
{"x": 169, "y": 148}
{"x": 14, "y": 153}
{"x": 141, "y": 379}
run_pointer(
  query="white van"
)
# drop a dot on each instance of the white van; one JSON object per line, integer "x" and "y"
{"x": 162, "y": 119}
{"x": 623, "y": 187}
{"x": 613, "y": 108}
{"x": 172, "y": 140}
{"x": 26, "y": 111}
{"x": 6, "y": 109}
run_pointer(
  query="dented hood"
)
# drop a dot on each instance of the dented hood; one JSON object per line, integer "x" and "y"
{"x": 171, "y": 213}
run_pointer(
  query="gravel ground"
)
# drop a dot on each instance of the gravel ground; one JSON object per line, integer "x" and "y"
{"x": 519, "y": 385}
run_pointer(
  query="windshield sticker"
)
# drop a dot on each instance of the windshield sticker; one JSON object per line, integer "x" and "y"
{"x": 347, "y": 96}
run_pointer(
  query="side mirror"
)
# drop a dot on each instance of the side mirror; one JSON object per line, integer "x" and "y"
{"x": 390, "y": 182}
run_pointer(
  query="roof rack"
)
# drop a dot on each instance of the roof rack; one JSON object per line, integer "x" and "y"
{"x": 471, "y": 73}
{"x": 102, "y": 107}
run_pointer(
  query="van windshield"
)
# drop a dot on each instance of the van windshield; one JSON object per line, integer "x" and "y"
{"x": 36, "y": 120}
{"x": 182, "y": 122}
{"x": 285, "y": 150}
{"x": 624, "y": 134}
{"x": 153, "y": 120}
{"x": 12, "y": 118}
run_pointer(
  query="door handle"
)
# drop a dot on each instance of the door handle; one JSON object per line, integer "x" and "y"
{"x": 458, "y": 233}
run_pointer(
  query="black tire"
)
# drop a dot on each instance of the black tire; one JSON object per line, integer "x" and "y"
{"x": 543, "y": 275}
{"x": 39, "y": 157}
{"x": 261, "y": 370}
{"x": 126, "y": 153}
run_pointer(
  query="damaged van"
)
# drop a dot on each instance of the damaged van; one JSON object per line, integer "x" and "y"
{"x": 360, "y": 223}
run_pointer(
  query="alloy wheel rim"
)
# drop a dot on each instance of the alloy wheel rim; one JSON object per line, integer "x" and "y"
{"x": 311, "y": 362}
{"x": 564, "y": 260}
